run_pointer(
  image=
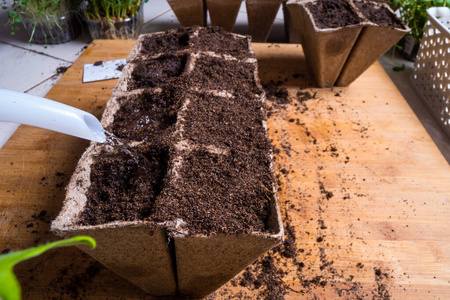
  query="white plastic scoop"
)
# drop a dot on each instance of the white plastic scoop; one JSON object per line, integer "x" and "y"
{"x": 18, "y": 108}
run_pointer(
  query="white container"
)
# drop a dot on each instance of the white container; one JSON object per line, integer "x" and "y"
{"x": 18, "y": 108}
{"x": 431, "y": 75}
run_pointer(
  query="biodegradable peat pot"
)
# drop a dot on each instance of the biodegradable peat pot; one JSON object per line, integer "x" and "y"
{"x": 189, "y": 12}
{"x": 326, "y": 47}
{"x": 261, "y": 14}
{"x": 382, "y": 31}
{"x": 203, "y": 203}
{"x": 289, "y": 27}
{"x": 223, "y": 12}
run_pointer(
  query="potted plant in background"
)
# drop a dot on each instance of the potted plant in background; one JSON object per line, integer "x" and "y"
{"x": 114, "y": 19}
{"x": 46, "y": 21}
{"x": 413, "y": 13}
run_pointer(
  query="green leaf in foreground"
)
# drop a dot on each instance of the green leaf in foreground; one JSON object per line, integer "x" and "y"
{"x": 9, "y": 286}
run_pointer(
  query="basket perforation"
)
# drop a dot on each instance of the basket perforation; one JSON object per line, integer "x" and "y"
{"x": 431, "y": 72}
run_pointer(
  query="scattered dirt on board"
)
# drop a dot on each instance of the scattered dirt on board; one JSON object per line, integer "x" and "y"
{"x": 306, "y": 265}
{"x": 74, "y": 285}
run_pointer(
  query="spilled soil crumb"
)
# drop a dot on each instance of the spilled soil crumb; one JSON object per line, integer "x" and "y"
{"x": 276, "y": 93}
{"x": 74, "y": 285}
{"x": 381, "y": 278}
{"x": 120, "y": 68}
{"x": 278, "y": 98}
{"x": 61, "y": 70}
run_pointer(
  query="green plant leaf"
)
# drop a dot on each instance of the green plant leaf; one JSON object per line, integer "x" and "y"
{"x": 395, "y": 3}
{"x": 9, "y": 286}
{"x": 398, "y": 69}
{"x": 397, "y": 46}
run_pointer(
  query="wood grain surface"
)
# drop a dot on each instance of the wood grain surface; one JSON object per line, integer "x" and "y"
{"x": 364, "y": 193}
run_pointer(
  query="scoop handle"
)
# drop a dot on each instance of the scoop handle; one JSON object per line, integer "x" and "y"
{"x": 20, "y": 108}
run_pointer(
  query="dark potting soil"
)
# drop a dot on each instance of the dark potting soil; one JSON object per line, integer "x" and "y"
{"x": 145, "y": 117}
{"x": 333, "y": 13}
{"x": 379, "y": 15}
{"x": 120, "y": 68}
{"x": 276, "y": 93}
{"x": 265, "y": 276}
{"x": 61, "y": 70}
{"x": 219, "y": 41}
{"x": 214, "y": 73}
{"x": 155, "y": 72}
{"x": 219, "y": 193}
{"x": 123, "y": 190}
{"x": 227, "y": 123}
{"x": 166, "y": 43}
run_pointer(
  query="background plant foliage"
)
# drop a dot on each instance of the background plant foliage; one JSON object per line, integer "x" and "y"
{"x": 39, "y": 11}
{"x": 413, "y": 13}
{"x": 112, "y": 10}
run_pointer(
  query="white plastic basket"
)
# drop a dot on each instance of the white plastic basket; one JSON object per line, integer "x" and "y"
{"x": 431, "y": 75}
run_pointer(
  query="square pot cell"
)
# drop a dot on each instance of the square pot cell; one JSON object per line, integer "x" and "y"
{"x": 216, "y": 39}
{"x": 215, "y": 73}
{"x": 167, "y": 43}
{"x": 152, "y": 73}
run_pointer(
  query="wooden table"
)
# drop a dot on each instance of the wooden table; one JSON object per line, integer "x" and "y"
{"x": 363, "y": 189}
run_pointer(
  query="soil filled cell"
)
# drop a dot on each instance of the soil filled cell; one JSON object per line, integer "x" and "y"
{"x": 156, "y": 44}
{"x": 146, "y": 116}
{"x": 333, "y": 13}
{"x": 379, "y": 15}
{"x": 231, "y": 75}
{"x": 156, "y": 72}
{"x": 217, "y": 40}
{"x": 123, "y": 189}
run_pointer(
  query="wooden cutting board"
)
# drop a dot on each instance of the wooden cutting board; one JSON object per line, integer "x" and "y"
{"x": 364, "y": 192}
